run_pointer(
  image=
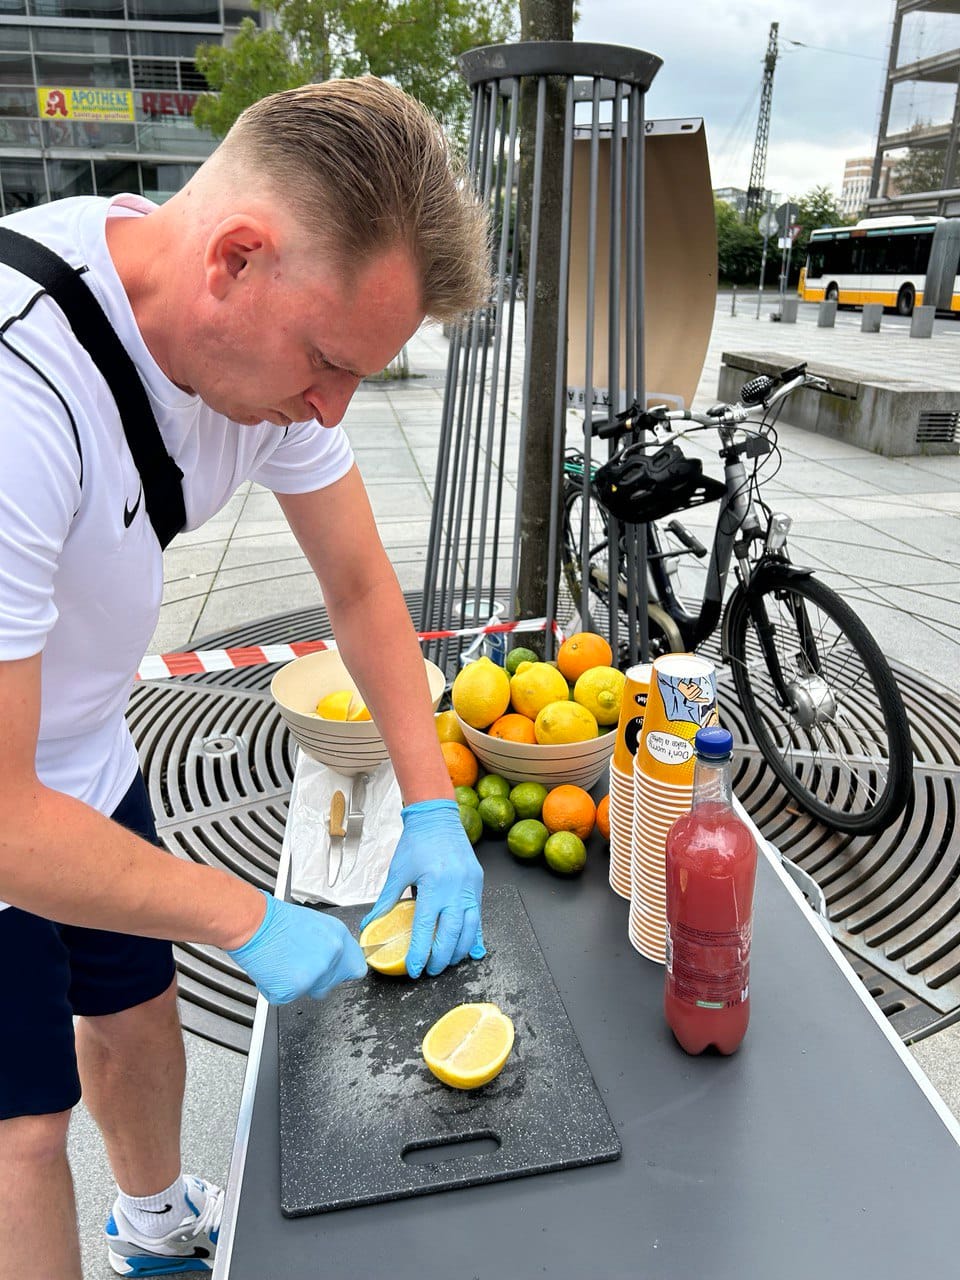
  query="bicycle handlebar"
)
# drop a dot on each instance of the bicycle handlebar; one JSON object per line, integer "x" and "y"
{"x": 764, "y": 391}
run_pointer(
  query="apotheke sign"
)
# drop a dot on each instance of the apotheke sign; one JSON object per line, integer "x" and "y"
{"x": 55, "y": 102}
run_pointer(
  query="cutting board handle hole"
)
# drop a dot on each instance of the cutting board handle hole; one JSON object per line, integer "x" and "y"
{"x": 481, "y": 1144}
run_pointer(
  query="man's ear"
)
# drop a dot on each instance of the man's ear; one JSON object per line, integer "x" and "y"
{"x": 234, "y": 247}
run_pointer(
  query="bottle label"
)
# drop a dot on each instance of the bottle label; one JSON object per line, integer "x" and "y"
{"x": 710, "y": 970}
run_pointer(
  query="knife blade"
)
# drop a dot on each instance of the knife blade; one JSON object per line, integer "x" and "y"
{"x": 351, "y": 844}
{"x": 338, "y": 804}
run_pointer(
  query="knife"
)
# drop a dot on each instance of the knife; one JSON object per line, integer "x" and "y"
{"x": 351, "y": 845}
{"x": 338, "y": 804}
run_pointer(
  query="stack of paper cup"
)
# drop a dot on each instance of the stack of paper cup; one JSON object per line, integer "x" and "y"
{"x": 682, "y": 698}
{"x": 636, "y": 684}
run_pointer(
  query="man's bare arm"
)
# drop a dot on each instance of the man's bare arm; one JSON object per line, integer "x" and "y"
{"x": 338, "y": 534}
{"x": 62, "y": 860}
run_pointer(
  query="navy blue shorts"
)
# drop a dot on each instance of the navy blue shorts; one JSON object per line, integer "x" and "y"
{"x": 52, "y": 972}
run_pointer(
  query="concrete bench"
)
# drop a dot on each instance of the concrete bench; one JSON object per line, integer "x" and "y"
{"x": 897, "y": 417}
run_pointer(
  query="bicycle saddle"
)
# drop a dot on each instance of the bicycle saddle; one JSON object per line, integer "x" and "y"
{"x": 638, "y": 486}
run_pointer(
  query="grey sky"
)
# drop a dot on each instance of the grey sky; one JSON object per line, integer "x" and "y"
{"x": 826, "y": 105}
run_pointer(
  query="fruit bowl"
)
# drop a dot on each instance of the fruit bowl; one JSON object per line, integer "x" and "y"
{"x": 580, "y": 762}
{"x": 349, "y": 746}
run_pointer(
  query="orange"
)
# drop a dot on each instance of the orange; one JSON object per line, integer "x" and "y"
{"x": 513, "y": 728}
{"x": 569, "y": 808}
{"x": 603, "y": 817}
{"x": 581, "y": 652}
{"x": 461, "y": 764}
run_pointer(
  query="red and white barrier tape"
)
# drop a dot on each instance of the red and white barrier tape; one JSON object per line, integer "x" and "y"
{"x": 163, "y": 666}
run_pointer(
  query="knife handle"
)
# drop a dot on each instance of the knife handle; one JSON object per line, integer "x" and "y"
{"x": 338, "y": 807}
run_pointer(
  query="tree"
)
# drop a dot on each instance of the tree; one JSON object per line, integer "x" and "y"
{"x": 921, "y": 169}
{"x": 413, "y": 43}
{"x": 541, "y": 20}
{"x": 818, "y": 208}
{"x": 739, "y": 246}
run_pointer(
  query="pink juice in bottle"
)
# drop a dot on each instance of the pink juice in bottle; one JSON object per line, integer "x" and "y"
{"x": 711, "y": 863}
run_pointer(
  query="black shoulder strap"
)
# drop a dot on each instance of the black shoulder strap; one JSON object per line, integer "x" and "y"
{"x": 159, "y": 474}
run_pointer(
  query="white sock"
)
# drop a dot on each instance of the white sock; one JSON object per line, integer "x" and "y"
{"x": 155, "y": 1216}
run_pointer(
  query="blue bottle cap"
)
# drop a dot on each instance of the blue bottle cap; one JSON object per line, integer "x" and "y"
{"x": 713, "y": 743}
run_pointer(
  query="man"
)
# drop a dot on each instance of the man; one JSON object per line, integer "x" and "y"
{"x": 299, "y": 258}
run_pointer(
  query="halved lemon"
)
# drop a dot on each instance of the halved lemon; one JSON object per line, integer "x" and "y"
{"x": 390, "y": 934}
{"x": 335, "y": 706}
{"x": 468, "y": 1046}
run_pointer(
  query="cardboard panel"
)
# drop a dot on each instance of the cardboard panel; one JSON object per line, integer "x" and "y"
{"x": 680, "y": 264}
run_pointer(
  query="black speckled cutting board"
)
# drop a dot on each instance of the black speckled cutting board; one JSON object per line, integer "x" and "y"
{"x": 362, "y": 1118}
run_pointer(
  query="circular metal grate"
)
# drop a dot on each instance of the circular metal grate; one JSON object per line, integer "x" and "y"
{"x": 219, "y": 765}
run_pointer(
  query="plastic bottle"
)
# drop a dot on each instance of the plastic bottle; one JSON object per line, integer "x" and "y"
{"x": 711, "y": 866}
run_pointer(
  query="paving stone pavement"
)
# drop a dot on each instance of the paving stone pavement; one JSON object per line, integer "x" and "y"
{"x": 884, "y": 532}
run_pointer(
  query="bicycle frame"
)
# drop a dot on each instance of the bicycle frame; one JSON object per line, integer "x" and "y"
{"x": 737, "y": 527}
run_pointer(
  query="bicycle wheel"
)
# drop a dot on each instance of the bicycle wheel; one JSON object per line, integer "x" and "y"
{"x": 842, "y": 747}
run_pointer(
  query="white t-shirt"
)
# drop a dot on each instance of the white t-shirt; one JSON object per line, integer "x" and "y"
{"x": 75, "y": 581}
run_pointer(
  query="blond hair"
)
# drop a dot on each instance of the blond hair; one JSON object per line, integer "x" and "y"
{"x": 365, "y": 167}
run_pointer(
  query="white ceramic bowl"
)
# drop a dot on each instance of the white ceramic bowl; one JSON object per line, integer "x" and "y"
{"x": 582, "y": 763}
{"x": 347, "y": 746}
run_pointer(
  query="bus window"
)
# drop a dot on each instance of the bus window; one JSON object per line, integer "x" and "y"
{"x": 815, "y": 261}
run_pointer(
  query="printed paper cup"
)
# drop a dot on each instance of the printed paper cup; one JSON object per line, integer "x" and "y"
{"x": 682, "y": 699}
{"x": 632, "y": 705}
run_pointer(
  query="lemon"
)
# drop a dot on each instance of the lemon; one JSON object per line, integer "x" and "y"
{"x": 525, "y": 665}
{"x": 565, "y": 853}
{"x": 472, "y": 822}
{"x": 516, "y": 656}
{"x": 532, "y": 688}
{"x": 392, "y": 933}
{"x": 491, "y": 784}
{"x": 357, "y": 710}
{"x": 527, "y": 798}
{"x": 448, "y": 727}
{"x": 481, "y": 693}
{"x": 565, "y": 722}
{"x": 468, "y": 1046}
{"x": 335, "y": 706}
{"x": 526, "y": 839}
{"x": 497, "y": 813}
{"x": 600, "y": 690}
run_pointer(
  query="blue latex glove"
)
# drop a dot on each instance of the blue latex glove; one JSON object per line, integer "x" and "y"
{"x": 434, "y": 854}
{"x": 299, "y": 952}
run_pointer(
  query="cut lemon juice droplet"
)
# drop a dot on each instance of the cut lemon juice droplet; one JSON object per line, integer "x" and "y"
{"x": 469, "y": 1045}
{"x": 390, "y": 936}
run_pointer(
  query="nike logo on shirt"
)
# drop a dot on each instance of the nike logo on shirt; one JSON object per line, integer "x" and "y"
{"x": 129, "y": 512}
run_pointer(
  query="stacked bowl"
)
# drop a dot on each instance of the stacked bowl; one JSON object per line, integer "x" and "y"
{"x": 348, "y": 746}
{"x": 582, "y": 763}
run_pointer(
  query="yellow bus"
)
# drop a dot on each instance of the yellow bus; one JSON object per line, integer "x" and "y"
{"x": 900, "y": 262}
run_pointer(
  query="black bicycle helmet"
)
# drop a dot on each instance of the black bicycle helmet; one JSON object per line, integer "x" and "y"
{"x": 638, "y": 486}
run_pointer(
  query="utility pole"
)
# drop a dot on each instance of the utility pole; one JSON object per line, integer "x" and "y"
{"x": 758, "y": 169}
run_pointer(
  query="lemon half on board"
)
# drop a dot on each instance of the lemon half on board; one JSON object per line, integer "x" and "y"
{"x": 468, "y": 1046}
{"x": 389, "y": 936}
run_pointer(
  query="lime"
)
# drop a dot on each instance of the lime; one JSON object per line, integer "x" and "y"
{"x": 466, "y": 795}
{"x": 497, "y": 813}
{"x": 472, "y": 822}
{"x": 527, "y": 798}
{"x": 491, "y": 784}
{"x": 526, "y": 839}
{"x": 516, "y": 656}
{"x": 565, "y": 853}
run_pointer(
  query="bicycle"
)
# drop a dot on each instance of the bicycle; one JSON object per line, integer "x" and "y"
{"x": 814, "y": 687}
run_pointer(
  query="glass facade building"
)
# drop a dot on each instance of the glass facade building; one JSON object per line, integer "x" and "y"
{"x": 96, "y": 96}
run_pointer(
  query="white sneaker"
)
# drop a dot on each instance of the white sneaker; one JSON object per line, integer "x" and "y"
{"x": 189, "y": 1247}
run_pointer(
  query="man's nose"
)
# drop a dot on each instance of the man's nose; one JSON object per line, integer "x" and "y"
{"x": 329, "y": 399}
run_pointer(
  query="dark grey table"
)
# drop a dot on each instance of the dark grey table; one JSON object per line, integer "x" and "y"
{"x": 818, "y": 1149}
